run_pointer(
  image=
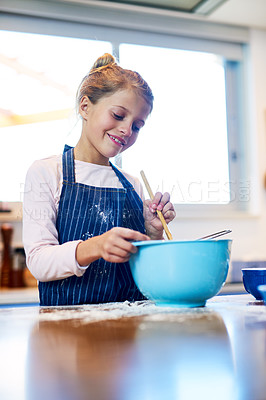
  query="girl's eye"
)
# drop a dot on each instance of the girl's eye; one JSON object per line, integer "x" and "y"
{"x": 118, "y": 117}
{"x": 136, "y": 128}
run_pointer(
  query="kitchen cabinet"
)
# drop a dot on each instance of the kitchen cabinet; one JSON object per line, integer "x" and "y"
{"x": 125, "y": 351}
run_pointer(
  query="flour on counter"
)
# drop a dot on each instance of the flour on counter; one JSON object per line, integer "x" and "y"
{"x": 240, "y": 306}
{"x": 110, "y": 311}
{"x": 244, "y": 305}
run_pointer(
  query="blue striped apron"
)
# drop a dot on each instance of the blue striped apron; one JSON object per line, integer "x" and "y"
{"x": 86, "y": 211}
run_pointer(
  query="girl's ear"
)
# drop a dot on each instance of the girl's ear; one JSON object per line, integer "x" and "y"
{"x": 84, "y": 106}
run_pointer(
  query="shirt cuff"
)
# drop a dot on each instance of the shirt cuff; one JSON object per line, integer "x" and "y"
{"x": 80, "y": 269}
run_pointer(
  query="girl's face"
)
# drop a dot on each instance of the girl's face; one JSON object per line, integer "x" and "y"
{"x": 111, "y": 125}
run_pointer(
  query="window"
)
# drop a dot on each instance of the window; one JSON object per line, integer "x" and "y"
{"x": 184, "y": 147}
{"x": 191, "y": 145}
{"x": 39, "y": 79}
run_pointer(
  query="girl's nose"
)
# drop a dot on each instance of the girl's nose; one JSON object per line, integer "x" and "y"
{"x": 126, "y": 130}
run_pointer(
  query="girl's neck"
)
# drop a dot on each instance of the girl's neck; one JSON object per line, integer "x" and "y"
{"x": 84, "y": 153}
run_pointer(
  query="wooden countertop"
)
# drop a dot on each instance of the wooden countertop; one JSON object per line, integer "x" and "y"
{"x": 125, "y": 351}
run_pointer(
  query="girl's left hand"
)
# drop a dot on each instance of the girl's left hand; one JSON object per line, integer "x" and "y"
{"x": 153, "y": 224}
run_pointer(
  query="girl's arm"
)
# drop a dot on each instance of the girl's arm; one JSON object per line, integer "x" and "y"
{"x": 114, "y": 246}
{"x": 46, "y": 259}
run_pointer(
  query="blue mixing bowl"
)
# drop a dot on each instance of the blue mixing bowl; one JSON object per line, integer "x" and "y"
{"x": 252, "y": 278}
{"x": 180, "y": 273}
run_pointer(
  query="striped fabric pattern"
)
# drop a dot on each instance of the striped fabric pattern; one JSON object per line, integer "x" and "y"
{"x": 87, "y": 211}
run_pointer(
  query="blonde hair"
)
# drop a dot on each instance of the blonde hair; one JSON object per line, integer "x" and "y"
{"x": 106, "y": 77}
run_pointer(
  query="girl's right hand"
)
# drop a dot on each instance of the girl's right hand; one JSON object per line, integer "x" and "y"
{"x": 114, "y": 246}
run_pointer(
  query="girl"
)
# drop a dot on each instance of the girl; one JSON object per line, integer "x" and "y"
{"x": 80, "y": 212}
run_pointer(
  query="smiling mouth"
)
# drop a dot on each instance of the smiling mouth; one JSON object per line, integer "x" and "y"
{"x": 116, "y": 140}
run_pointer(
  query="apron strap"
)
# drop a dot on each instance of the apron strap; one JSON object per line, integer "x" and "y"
{"x": 68, "y": 164}
{"x": 126, "y": 184}
{"x": 69, "y": 168}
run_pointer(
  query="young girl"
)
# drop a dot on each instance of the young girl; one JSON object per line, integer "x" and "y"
{"x": 81, "y": 213}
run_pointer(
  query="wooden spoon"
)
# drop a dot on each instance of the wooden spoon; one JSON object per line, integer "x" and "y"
{"x": 159, "y": 213}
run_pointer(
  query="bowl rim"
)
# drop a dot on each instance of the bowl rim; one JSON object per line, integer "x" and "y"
{"x": 154, "y": 242}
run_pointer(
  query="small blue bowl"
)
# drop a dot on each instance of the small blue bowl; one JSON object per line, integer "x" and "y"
{"x": 180, "y": 273}
{"x": 262, "y": 290}
{"x": 252, "y": 278}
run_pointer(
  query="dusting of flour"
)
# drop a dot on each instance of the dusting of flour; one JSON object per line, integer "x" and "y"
{"x": 111, "y": 311}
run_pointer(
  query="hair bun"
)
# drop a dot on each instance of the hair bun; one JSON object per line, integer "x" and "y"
{"x": 107, "y": 77}
{"x": 103, "y": 61}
